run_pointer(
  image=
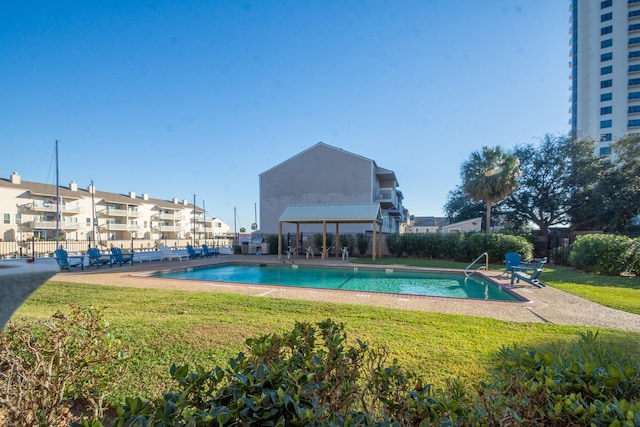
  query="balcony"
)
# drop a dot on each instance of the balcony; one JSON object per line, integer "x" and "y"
{"x": 115, "y": 212}
{"x": 169, "y": 228}
{"x": 42, "y": 206}
{"x": 120, "y": 227}
{"x": 51, "y": 225}
{"x": 168, "y": 216}
{"x": 388, "y": 198}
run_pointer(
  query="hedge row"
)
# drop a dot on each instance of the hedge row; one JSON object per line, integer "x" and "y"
{"x": 458, "y": 247}
{"x": 606, "y": 254}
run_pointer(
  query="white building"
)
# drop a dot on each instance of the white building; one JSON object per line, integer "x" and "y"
{"x": 30, "y": 210}
{"x": 605, "y": 70}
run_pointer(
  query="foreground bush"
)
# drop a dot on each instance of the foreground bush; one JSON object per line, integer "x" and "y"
{"x": 310, "y": 376}
{"x": 53, "y": 370}
{"x": 608, "y": 254}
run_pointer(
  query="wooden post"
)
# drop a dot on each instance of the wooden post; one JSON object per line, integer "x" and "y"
{"x": 373, "y": 243}
{"x": 337, "y": 239}
{"x": 297, "y": 236}
{"x": 324, "y": 239}
{"x": 279, "y": 239}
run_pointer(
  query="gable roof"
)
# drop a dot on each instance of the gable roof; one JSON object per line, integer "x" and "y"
{"x": 341, "y": 213}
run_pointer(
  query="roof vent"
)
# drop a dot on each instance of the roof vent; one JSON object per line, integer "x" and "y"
{"x": 15, "y": 178}
{"x": 73, "y": 186}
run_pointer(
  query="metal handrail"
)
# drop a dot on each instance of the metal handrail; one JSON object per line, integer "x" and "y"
{"x": 482, "y": 267}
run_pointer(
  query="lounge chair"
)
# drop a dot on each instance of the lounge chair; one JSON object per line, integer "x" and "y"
{"x": 120, "y": 258}
{"x": 511, "y": 259}
{"x": 97, "y": 259}
{"x": 528, "y": 274}
{"x": 192, "y": 252}
{"x": 207, "y": 252}
{"x": 66, "y": 262}
{"x": 170, "y": 255}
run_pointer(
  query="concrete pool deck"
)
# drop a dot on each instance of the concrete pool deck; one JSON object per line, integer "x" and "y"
{"x": 546, "y": 304}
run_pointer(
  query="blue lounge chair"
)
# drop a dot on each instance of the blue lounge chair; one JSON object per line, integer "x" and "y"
{"x": 97, "y": 259}
{"x": 192, "y": 252}
{"x": 511, "y": 259}
{"x": 528, "y": 274}
{"x": 119, "y": 258}
{"x": 207, "y": 252}
{"x": 67, "y": 263}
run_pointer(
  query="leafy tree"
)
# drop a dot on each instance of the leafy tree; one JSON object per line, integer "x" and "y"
{"x": 556, "y": 176}
{"x": 490, "y": 175}
{"x": 460, "y": 207}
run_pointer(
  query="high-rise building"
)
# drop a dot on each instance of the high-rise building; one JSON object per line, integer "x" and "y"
{"x": 605, "y": 70}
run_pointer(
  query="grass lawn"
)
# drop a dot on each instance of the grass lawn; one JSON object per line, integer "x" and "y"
{"x": 161, "y": 327}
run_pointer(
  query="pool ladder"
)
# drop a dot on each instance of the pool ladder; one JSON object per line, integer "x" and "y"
{"x": 467, "y": 270}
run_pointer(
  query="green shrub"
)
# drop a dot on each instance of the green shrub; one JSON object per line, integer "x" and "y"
{"x": 458, "y": 247}
{"x": 308, "y": 376}
{"x": 588, "y": 383}
{"x": 49, "y": 368}
{"x": 362, "y": 242}
{"x": 607, "y": 254}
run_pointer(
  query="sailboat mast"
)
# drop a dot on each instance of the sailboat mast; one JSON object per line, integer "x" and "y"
{"x": 57, "y": 196}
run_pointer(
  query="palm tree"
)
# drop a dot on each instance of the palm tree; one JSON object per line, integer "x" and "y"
{"x": 490, "y": 175}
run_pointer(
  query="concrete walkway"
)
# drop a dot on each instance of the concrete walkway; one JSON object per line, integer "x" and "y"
{"x": 544, "y": 304}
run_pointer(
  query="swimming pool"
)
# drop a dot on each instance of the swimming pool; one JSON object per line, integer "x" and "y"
{"x": 395, "y": 281}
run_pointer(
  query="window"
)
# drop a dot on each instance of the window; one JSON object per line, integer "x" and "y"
{"x": 605, "y": 137}
{"x": 605, "y": 151}
{"x": 634, "y": 68}
{"x": 606, "y": 70}
{"x": 606, "y": 83}
{"x": 606, "y": 17}
{"x": 634, "y": 82}
{"x": 606, "y": 30}
{"x": 605, "y": 110}
{"x": 88, "y": 222}
{"x": 605, "y": 124}
{"x": 634, "y": 95}
{"x": 634, "y": 109}
{"x": 6, "y": 218}
{"x": 606, "y": 96}
{"x": 606, "y": 3}
{"x": 606, "y": 43}
{"x": 634, "y": 13}
{"x": 634, "y": 123}
{"x": 634, "y": 27}
{"x": 634, "y": 40}
{"x": 634, "y": 54}
{"x": 18, "y": 218}
{"x": 633, "y": 1}
{"x": 606, "y": 56}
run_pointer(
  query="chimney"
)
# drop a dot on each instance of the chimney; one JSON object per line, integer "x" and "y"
{"x": 175, "y": 200}
{"x": 184, "y": 202}
{"x": 132, "y": 194}
{"x": 73, "y": 186}
{"x": 91, "y": 189}
{"x": 145, "y": 196}
{"x": 15, "y": 178}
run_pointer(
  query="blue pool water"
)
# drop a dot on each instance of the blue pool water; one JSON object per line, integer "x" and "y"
{"x": 441, "y": 284}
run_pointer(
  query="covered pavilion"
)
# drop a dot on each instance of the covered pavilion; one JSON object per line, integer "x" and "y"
{"x": 344, "y": 213}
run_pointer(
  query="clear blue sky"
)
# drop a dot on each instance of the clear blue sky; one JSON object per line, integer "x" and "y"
{"x": 176, "y": 98}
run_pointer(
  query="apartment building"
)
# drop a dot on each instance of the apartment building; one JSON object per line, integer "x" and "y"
{"x": 326, "y": 175}
{"x": 46, "y": 212}
{"x": 605, "y": 70}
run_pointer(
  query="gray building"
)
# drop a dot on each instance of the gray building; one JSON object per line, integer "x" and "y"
{"x": 326, "y": 175}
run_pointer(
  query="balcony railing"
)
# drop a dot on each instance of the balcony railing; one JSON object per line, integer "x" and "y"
{"x": 120, "y": 227}
{"x": 120, "y": 212}
{"x": 169, "y": 216}
{"x": 51, "y": 225}
{"x": 42, "y": 206}
{"x": 387, "y": 198}
{"x": 167, "y": 228}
